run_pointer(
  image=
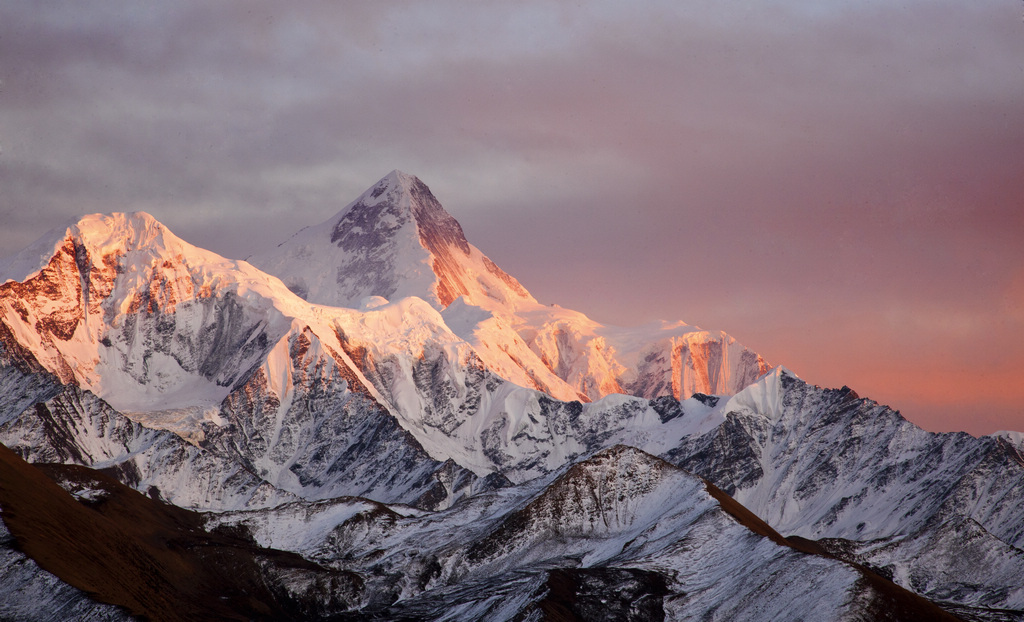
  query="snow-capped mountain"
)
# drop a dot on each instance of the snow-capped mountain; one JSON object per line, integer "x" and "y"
{"x": 396, "y": 241}
{"x": 398, "y": 407}
{"x": 173, "y": 338}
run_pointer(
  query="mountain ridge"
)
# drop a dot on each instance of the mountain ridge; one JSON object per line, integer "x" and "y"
{"x": 209, "y": 383}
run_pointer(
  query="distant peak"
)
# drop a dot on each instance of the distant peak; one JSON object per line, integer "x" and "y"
{"x": 127, "y": 230}
{"x": 93, "y": 223}
{"x": 118, "y": 230}
{"x": 397, "y": 176}
{"x": 780, "y": 371}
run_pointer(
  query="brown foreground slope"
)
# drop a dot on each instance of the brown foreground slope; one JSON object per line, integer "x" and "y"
{"x": 155, "y": 559}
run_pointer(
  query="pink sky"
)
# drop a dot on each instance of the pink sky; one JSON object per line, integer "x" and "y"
{"x": 837, "y": 184}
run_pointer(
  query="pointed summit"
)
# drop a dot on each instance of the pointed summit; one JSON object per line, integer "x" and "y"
{"x": 392, "y": 203}
{"x": 395, "y": 240}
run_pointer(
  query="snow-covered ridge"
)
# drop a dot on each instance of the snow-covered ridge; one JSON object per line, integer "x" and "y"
{"x": 633, "y": 527}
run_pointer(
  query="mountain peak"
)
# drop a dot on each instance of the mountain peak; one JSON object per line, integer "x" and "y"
{"x": 397, "y": 178}
{"x": 391, "y": 187}
{"x": 391, "y": 203}
{"x": 122, "y": 230}
{"x": 394, "y": 241}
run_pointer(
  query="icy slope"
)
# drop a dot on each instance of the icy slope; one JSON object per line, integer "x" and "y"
{"x": 826, "y": 463}
{"x": 948, "y": 560}
{"x": 75, "y": 427}
{"x": 326, "y": 442}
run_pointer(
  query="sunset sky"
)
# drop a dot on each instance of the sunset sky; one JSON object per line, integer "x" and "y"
{"x": 839, "y": 185}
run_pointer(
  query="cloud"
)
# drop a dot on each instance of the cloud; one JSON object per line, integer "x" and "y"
{"x": 770, "y": 169}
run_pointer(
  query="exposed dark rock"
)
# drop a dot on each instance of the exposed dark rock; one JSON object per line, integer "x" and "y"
{"x": 604, "y": 594}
